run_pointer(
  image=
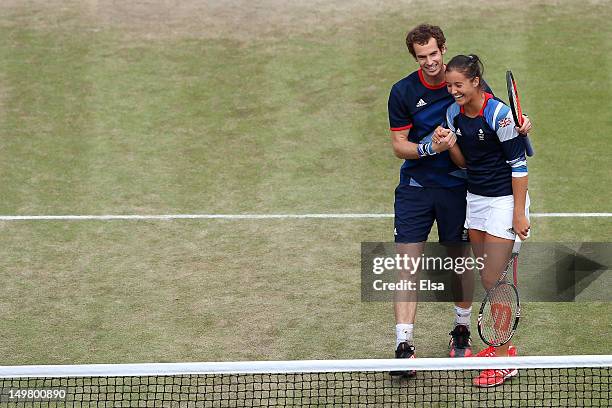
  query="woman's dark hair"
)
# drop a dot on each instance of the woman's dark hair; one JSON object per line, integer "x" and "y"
{"x": 469, "y": 65}
{"x": 421, "y": 35}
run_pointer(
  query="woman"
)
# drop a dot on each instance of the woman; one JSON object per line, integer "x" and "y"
{"x": 482, "y": 138}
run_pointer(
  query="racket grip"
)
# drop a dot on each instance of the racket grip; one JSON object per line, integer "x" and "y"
{"x": 516, "y": 248}
{"x": 528, "y": 148}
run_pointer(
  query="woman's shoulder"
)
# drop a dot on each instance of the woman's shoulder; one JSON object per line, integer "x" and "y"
{"x": 453, "y": 110}
{"x": 495, "y": 110}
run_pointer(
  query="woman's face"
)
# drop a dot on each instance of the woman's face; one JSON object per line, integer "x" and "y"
{"x": 461, "y": 87}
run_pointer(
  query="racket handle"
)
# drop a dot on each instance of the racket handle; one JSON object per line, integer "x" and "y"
{"x": 516, "y": 248}
{"x": 528, "y": 147}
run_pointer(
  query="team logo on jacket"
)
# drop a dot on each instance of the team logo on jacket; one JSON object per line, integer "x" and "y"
{"x": 480, "y": 134}
{"x": 458, "y": 132}
{"x": 504, "y": 122}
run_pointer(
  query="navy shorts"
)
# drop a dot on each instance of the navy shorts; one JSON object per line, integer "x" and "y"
{"x": 416, "y": 208}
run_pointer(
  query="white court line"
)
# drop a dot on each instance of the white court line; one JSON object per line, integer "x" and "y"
{"x": 569, "y": 215}
{"x": 243, "y": 216}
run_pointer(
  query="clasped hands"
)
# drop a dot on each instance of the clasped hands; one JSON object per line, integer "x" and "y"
{"x": 443, "y": 139}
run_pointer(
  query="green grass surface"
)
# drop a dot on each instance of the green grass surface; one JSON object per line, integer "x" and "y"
{"x": 224, "y": 290}
{"x": 99, "y": 117}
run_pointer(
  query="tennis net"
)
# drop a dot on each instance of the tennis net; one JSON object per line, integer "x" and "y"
{"x": 439, "y": 382}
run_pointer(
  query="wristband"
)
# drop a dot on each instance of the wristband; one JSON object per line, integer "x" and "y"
{"x": 425, "y": 149}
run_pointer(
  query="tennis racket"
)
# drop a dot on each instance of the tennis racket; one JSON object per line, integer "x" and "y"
{"x": 501, "y": 308}
{"x": 515, "y": 107}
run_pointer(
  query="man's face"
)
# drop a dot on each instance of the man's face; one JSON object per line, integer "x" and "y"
{"x": 429, "y": 57}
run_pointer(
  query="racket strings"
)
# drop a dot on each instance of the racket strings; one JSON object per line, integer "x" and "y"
{"x": 499, "y": 314}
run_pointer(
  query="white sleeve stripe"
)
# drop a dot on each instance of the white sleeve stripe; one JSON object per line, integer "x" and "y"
{"x": 494, "y": 124}
{"x": 519, "y": 174}
{"x": 449, "y": 120}
{"x": 517, "y": 164}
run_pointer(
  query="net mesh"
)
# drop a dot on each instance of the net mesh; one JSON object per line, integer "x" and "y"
{"x": 533, "y": 387}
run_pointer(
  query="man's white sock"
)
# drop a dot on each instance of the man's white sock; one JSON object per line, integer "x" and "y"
{"x": 403, "y": 332}
{"x": 462, "y": 316}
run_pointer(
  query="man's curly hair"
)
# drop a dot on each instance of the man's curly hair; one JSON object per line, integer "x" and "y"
{"x": 421, "y": 35}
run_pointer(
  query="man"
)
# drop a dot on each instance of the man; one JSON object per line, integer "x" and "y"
{"x": 431, "y": 187}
